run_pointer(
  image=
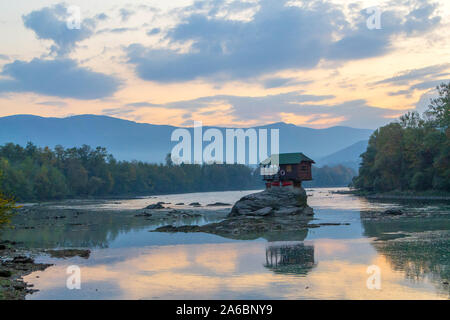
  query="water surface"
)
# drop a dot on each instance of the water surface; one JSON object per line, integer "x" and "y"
{"x": 129, "y": 262}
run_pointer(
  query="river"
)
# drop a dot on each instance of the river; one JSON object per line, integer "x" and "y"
{"x": 411, "y": 255}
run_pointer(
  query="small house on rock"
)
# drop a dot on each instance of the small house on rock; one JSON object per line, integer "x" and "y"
{"x": 286, "y": 170}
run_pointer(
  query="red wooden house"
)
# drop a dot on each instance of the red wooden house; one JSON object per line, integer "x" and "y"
{"x": 286, "y": 169}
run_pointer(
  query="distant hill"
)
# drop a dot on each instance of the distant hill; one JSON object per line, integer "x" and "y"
{"x": 128, "y": 140}
{"x": 348, "y": 157}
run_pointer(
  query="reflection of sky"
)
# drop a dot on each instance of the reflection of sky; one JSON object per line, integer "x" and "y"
{"x": 225, "y": 271}
{"x": 146, "y": 265}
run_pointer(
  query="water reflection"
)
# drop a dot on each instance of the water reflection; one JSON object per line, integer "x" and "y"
{"x": 84, "y": 229}
{"x": 417, "y": 246}
{"x": 297, "y": 259}
{"x": 128, "y": 262}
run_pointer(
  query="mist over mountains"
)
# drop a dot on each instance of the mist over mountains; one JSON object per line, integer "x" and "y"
{"x": 128, "y": 140}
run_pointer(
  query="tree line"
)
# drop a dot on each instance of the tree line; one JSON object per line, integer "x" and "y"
{"x": 335, "y": 176}
{"x": 411, "y": 154}
{"x": 32, "y": 173}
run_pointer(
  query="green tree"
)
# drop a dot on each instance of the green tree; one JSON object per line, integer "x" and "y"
{"x": 7, "y": 207}
{"x": 439, "y": 108}
{"x": 411, "y": 154}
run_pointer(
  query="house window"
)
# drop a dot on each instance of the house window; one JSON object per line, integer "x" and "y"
{"x": 288, "y": 168}
{"x": 304, "y": 168}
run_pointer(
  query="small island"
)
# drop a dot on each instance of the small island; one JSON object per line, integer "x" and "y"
{"x": 273, "y": 213}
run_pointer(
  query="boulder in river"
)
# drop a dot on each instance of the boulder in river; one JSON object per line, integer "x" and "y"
{"x": 273, "y": 202}
{"x": 276, "y": 215}
{"x": 158, "y": 205}
{"x": 195, "y": 204}
{"x": 218, "y": 204}
{"x": 69, "y": 253}
{"x": 394, "y": 212}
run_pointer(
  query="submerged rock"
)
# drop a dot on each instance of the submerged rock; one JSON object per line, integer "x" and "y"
{"x": 5, "y": 273}
{"x": 69, "y": 253}
{"x": 394, "y": 212}
{"x": 273, "y": 202}
{"x": 158, "y": 205}
{"x": 195, "y": 204}
{"x": 143, "y": 214}
{"x": 218, "y": 204}
{"x": 22, "y": 260}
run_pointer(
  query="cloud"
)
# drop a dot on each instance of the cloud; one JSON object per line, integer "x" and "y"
{"x": 141, "y": 104}
{"x": 428, "y": 84}
{"x": 286, "y": 107}
{"x": 118, "y": 112}
{"x": 277, "y": 36}
{"x": 406, "y": 93}
{"x": 417, "y": 79}
{"x": 101, "y": 16}
{"x": 50, "y": 23}
{"x": 61, "y": 78}
{"x": 359, "y": 42}
{"x": 408, "y": 76}
{"x": 153, "y": 31}
{"x": 53, "y": 103}
{"x": 125, "y": 14}
{"x": 278, "y": 82}
{"x": 116, "y": 30}
{"x": 425, "y": 99}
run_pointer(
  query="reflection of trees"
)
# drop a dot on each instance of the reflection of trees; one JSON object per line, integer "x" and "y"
{"x": 419, "y": 258}
{"x": 419, "y": 247}
{"x": 88, "y": 229}
{"x": 290, "y": 259}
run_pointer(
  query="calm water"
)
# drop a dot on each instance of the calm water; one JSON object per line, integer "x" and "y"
{"x": 128, "y": 262}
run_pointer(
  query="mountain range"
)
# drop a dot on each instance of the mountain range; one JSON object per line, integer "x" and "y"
{"x": 128, "y": 140}
{"x": 348, "y": 157}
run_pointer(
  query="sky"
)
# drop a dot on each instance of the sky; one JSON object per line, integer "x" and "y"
{"x": 226, "y": 63}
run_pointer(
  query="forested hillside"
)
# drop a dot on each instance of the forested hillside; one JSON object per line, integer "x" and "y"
{"x": 412, "y": 153}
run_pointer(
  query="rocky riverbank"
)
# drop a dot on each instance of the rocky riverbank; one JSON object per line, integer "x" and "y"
{"x": 17, "y": 262}
{"x": 273, "y": 202}
{"x": 46, "y": 228}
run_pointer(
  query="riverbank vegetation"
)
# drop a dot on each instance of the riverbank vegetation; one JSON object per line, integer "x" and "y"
{"x": 36, "y": 174}
{"x": 411, "y": 154}
{"x": 7, "y": 207}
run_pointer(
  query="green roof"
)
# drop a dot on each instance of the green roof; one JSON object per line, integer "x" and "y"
{"x": 287, "y": 158}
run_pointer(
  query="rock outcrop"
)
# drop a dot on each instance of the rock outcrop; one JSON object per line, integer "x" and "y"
{"x": 274, "y": 214}
{"x": 273, "y": 202}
